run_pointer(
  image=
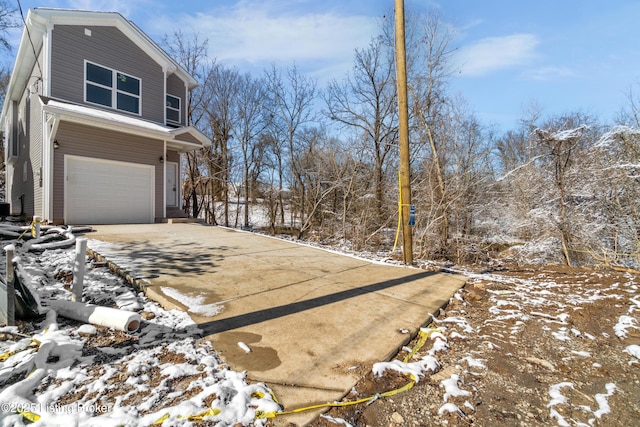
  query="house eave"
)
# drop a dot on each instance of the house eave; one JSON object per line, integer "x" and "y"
{"x": 39, "y": 19}
{"x": 193, "y": 131}
{"x": 25, "y": 60}
{"x": 131, "y": 30}
{"x": 116, "y": 122}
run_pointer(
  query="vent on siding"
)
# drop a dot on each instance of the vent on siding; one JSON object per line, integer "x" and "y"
{"x": 87, "y": 32}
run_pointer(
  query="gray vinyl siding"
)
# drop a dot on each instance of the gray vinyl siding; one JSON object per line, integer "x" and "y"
{"x": 173, "y": 156}
{"x": 187, "y": 137}
{"x": 176, "y": 87}
{"x": 35, "y": 154}
{"x": 81, "y": 140}
{"x": 20, "y": 186}
{"x": 34, "y": 141}
{"x": 107, "y": 47}
{"x": 27, "y": 130}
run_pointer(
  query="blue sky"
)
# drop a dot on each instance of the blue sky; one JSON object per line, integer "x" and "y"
{"x": 564, "y": 56}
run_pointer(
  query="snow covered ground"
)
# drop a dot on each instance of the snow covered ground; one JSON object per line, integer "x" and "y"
{"x": 527, "y": 346}
{"x": 537, "y": 346}
{"x": 61, "y": 372}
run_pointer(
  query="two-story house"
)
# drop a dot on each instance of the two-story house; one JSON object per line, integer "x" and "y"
{"x": 94, "y": 121}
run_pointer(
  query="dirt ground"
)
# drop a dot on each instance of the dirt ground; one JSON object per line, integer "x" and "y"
{"x": 529, "y": 346}
{"x": 517, "y": 346}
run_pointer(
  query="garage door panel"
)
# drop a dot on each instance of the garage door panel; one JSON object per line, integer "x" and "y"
{"x": 108, "y": 192}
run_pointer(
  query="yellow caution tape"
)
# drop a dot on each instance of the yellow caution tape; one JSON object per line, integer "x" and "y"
{"x": 275, "y": 399}
{"x": 30, "y": 416}
{"x": 424, "y": 335}
{"x": 161, "y": 419}
{"x": 34, "y": 344}
{"x": 198, "y": 417}
{"x": 400, "y": 206}
{"x": 208, "y": 413}
{"x": 31, "y": 228}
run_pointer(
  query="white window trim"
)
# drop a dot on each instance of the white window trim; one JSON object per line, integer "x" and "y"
{"x": 114, "y": 89}
{"x": 179, "y": 109}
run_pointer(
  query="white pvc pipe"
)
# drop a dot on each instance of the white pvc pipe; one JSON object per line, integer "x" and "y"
{"x": 102, "y": 316}
{"x": 9, "y": 311}
{"x": 36, "y": 226}
{"x": 7, "y": 297}
{"x": 9, "y": 251}
{"x": 79, "y": 269}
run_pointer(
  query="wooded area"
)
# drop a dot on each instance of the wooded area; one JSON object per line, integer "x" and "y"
{"x": 321, "y": 163}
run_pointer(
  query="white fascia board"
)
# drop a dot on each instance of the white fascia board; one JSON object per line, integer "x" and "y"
{"x": 193, "y": 131}
{"x": 105, "y": 121}
{"x": 117, "y": 122}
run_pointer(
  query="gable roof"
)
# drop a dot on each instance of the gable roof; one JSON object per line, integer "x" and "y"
{"x": 39, "y": 20}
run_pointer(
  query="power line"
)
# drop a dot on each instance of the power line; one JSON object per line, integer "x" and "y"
{"x": 33, "y": 48}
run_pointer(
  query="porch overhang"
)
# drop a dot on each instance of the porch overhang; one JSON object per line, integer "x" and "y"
{"x": 180, "y": 139}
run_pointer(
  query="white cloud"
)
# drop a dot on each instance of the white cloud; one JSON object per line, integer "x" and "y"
{"x": 497, "y": 53}
{"x": 252, "y": 33}
{"x": 125, "y": 7}
{"x": 550, "y": 73}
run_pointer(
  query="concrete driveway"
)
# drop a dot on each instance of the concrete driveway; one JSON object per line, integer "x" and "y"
{"x": 308, "y": 315}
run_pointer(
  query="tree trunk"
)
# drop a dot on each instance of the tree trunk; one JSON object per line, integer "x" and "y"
{"x": 444, "y": 231}
{"x": 246, "y": 194}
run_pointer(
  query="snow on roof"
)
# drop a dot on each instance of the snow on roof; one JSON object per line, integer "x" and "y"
{"x": 107, "y": 119}
{"x": 96, "y": 113}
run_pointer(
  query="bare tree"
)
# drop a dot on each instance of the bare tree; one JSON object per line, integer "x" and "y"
{"x": 272, "y": 162}
{"x": 191, "y": 53}
{"x": 629, "y": 115}
{"x": 251, "y": 120}
{"x": 613, "y": 232}
{"x": 563, "y": 141}
{"x": 551, "y": 189}
{"x": 221, "y": 113}
{"x": 291, "y": 108}
{"x": 430, "y": 107}
{"x": 7, "y": 21}
{"x": 366, "y": 103}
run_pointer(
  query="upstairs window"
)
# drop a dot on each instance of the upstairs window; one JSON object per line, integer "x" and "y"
{"x": 173, "y": 109}
{"x": 111, "y": 88}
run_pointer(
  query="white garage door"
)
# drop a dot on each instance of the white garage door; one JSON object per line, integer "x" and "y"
{"x": 107, "y": 192}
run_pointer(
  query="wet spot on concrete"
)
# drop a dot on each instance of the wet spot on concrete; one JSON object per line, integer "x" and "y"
{"x": 260, "y": 358}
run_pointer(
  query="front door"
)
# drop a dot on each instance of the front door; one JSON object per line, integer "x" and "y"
{"x": 172, "y": 183}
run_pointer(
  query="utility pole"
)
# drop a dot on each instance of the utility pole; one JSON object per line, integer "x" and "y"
{"x": 403, "y": 110}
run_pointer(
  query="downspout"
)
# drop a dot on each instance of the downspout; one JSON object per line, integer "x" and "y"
{"x": 179, "y": 182}
{"x": 164, "y": 147}
{"x": 185, "y": 105}
{"x": 50, "y": 129}
{"x": 164, "y": 89}
{"x": 46, "y": 59}
{"x": 164, "y": 179}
